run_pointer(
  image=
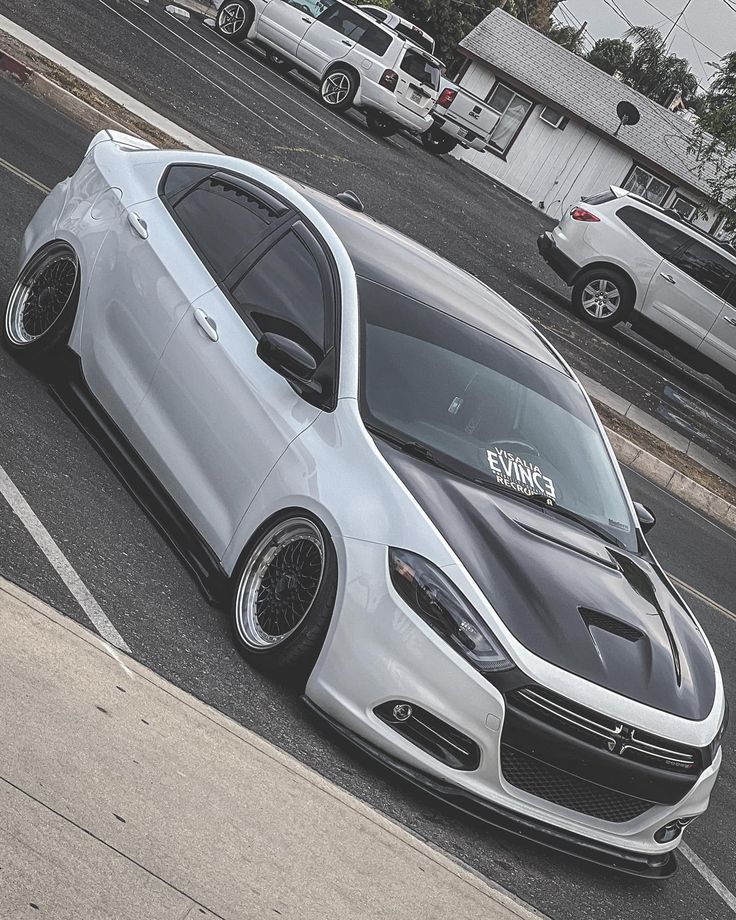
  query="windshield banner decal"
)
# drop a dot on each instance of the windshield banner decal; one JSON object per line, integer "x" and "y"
{"x": 519, "y": 474}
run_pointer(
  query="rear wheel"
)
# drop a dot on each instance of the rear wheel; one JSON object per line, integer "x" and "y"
{"x": 234, "y": 20}
{"x": 437, "y": 142}
{"x": 278, "y": 63}
{"x": 285, "y": 594}
{"x": 338, "y": 88}
{"x": 380, "y": 123}
{"x": 42, "y": 304}
{"x": 603, "y": 297}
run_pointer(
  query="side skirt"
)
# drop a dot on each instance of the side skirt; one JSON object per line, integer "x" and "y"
{"x": 69, "y": 388}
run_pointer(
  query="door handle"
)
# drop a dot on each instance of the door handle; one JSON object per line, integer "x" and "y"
{"x": 668, "y": 278}
{"x": 730, "y": 320}
{"x": 207, "y": 324}
{"x": 346, "y": 42}
{"x": 307, "y": 19}
{"x": 138, "y": 224}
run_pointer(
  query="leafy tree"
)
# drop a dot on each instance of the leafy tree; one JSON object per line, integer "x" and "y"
{"x": 611, "y": 54}
{"x": 656, "y": 73}
{"x": 567, "y": 36}
{"x": 714, "y": 138}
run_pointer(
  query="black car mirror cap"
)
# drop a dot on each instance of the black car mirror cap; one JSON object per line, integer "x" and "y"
{"x": 290, "y": 359}
{"x": 646, "y": 518}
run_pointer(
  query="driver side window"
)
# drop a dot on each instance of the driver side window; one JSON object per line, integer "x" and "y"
{"x": 311, "y": 7}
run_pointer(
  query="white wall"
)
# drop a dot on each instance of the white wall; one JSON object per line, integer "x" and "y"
{"x": 552, "y": 168}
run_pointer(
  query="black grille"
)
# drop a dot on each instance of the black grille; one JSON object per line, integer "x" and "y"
{"x": 540, "y": 779}
{"x": 611, "y": 625}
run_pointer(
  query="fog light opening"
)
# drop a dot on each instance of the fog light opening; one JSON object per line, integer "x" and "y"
{"x": 672, "y": 831}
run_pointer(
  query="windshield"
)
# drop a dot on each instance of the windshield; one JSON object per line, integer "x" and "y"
{"x": 485, "y": 409}
{"x": 421, "y": 68}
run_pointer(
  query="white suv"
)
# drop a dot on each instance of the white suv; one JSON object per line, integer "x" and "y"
{"x": 626, "y": 258}
{"x": 357, "y": 61}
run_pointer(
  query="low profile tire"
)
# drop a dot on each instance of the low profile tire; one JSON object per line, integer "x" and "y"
{"x": 42, "y": 304}
{"x": 278, "y": 63}
{"x": 284, "y": 595}
{"x": 338, "y": 88}
{"x": 234, "y": 20}
{"x": 603, "y": 297}
{"x": 381, "y": 124}
{"x": 437, "y": 142}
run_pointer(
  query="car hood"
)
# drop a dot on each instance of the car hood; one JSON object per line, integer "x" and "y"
{"x": 600, "y": 612}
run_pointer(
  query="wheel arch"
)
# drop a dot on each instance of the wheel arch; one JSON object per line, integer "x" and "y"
{"x": 342, "y": 65}
{"x": 611, "y": 267}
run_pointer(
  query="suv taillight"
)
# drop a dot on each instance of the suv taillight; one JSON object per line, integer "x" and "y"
{"x": 582, "y": 214}
{"x": 446, "y": 97}
{"x": 389, "y": 79}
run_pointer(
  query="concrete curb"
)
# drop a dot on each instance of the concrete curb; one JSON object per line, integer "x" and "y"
{"x": 667, "y": 477}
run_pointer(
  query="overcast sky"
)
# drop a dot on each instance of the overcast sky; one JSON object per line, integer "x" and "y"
{"x": 712, "y": 24}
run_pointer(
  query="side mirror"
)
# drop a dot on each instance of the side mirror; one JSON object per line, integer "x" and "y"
{"x": 289, "y": 359}
{"x": 646, "y": 518}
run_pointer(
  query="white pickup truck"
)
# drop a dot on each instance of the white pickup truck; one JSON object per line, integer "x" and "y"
{"x": 459, "y": 118}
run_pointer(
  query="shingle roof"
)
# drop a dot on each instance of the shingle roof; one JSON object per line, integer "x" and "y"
{"x": 559, "y": 75}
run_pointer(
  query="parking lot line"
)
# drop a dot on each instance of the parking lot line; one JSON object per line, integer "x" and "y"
{"x": 191, "y": 67}
{"x": 64, "y": 569}
{"x": 29, "y": 180}
{"x": 683, "y": 585}
{"x": 715, "y": 883}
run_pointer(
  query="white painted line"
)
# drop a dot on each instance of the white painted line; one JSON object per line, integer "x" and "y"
{"x": 179, "y": 134}
{"x": 715, "y": 883}
{"x": 24, "y": 176}
{"x": 64, "y": 569}
{"x": 684, "y": 586}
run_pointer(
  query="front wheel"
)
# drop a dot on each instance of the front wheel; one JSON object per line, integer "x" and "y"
{"x": 338, "y": 88}
{"x": 380, "y": 123}
{"x": 437, "y": 142}
{"x": 42, "y": 304}
{"x": 234, "y": 20}
{"x": 285, "y": 594}
{"x": 602, "y": 297}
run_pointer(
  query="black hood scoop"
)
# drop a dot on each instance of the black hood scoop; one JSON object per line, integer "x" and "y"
{"x": 568, "y": 596}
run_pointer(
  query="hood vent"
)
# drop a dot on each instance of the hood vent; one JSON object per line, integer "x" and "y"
{"x": 610, "y": 624}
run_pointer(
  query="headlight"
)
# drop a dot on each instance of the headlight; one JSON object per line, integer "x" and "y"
{"x": 433, "y": 597}
{"x": 716, "y": 742}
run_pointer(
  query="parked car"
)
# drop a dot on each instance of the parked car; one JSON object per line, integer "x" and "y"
{"x": 629, "y": 259}
{"x": 356, "y": 60}
{"x": 459, "y": 118}
{"x": 391, "y": 480}
{"x": 403, "y": 26}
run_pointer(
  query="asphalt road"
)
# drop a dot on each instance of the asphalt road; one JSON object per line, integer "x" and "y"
{"x": 227, "y": 95}
{"x": 154, "y": 604}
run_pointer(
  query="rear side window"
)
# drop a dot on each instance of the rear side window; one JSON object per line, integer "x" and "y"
{"x": 415, "y": 35}
{"x": 290, "y": 289}
{"x": 706, "y": 266}
{"x": 375, "y": 40}
{"x": 421, "y": 68}
{"x": 662, "y": 237}
{"x": 180, "y": 178}
{"x": 346, "y": 21}
{"x": 225, "y": 221}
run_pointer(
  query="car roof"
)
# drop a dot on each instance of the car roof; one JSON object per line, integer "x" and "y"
{"x": 384, "y": 255}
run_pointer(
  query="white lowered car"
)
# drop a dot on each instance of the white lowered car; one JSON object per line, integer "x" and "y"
{"x": 391, "y": 480}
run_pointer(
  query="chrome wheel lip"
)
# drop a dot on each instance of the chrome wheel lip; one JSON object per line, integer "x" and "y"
{"x": 18, "y": 300}
{"x": 335, "y": 88}
{"x": 235, "y": 19}
{"x": 276, "y": 538}
{"x": 601, "y": 298}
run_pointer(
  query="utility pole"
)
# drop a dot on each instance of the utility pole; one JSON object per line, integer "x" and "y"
{"x": 580, "y": 32}
{"x": 675, "y": 23}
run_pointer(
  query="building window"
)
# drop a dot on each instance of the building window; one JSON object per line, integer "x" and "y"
{"x": 725, "y": 229}
{"x": 641, "y": 182}
{"x": 512, "y": 109}
{"x": 685, "y": 208}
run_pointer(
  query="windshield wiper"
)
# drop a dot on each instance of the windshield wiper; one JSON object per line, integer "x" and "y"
{"x": 413, "y": 448}
{"x": 545, "y": 502}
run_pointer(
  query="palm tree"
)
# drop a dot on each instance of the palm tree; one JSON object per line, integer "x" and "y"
{"x": 653, "y": 71}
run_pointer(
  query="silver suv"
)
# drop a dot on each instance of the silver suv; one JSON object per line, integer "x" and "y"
{"x": 356, "y": 60}
{"x": 626, "y": 258}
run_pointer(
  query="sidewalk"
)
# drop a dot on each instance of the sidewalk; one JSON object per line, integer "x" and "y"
{"x": 123, "y": 797}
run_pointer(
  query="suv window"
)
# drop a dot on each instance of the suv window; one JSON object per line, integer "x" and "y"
{"x": 225, "y": 219}
{"x": 662, "y": 237}
{"x": 415, "y": 35}
{"x": 421, "y": 68}
{"x": 346, "y": 21}
{"x": 375, "y": 40}
{"x": 290, "y": 288}
{"x": 310, "y": 7}
{"x": 706, "y": 266}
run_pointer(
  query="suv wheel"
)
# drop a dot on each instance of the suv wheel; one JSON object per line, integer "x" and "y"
{"x": 234, "y": 20}
{"x": 603, "y": 297}
{"x": 338, "y": 88}
{"x": 380, "y": 123}
{"x": 437, "y": 142}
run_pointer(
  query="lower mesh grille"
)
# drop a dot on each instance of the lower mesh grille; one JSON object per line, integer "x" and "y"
{"x": 540, "y": 779}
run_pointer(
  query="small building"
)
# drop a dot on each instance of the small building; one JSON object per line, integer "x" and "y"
{"x": 559, "y": 136}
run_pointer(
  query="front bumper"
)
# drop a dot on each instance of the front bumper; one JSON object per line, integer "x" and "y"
{"x": 378, "y": 651}
{"x": 557, "y": 260}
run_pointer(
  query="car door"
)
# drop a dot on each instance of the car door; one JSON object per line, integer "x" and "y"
{"x": 217, "y": 418}
{"x": 282, "y": 23}
{"x": 684, "y": 295}
{"x": 332, "y": 36}
{"x": 720, "y": 343}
